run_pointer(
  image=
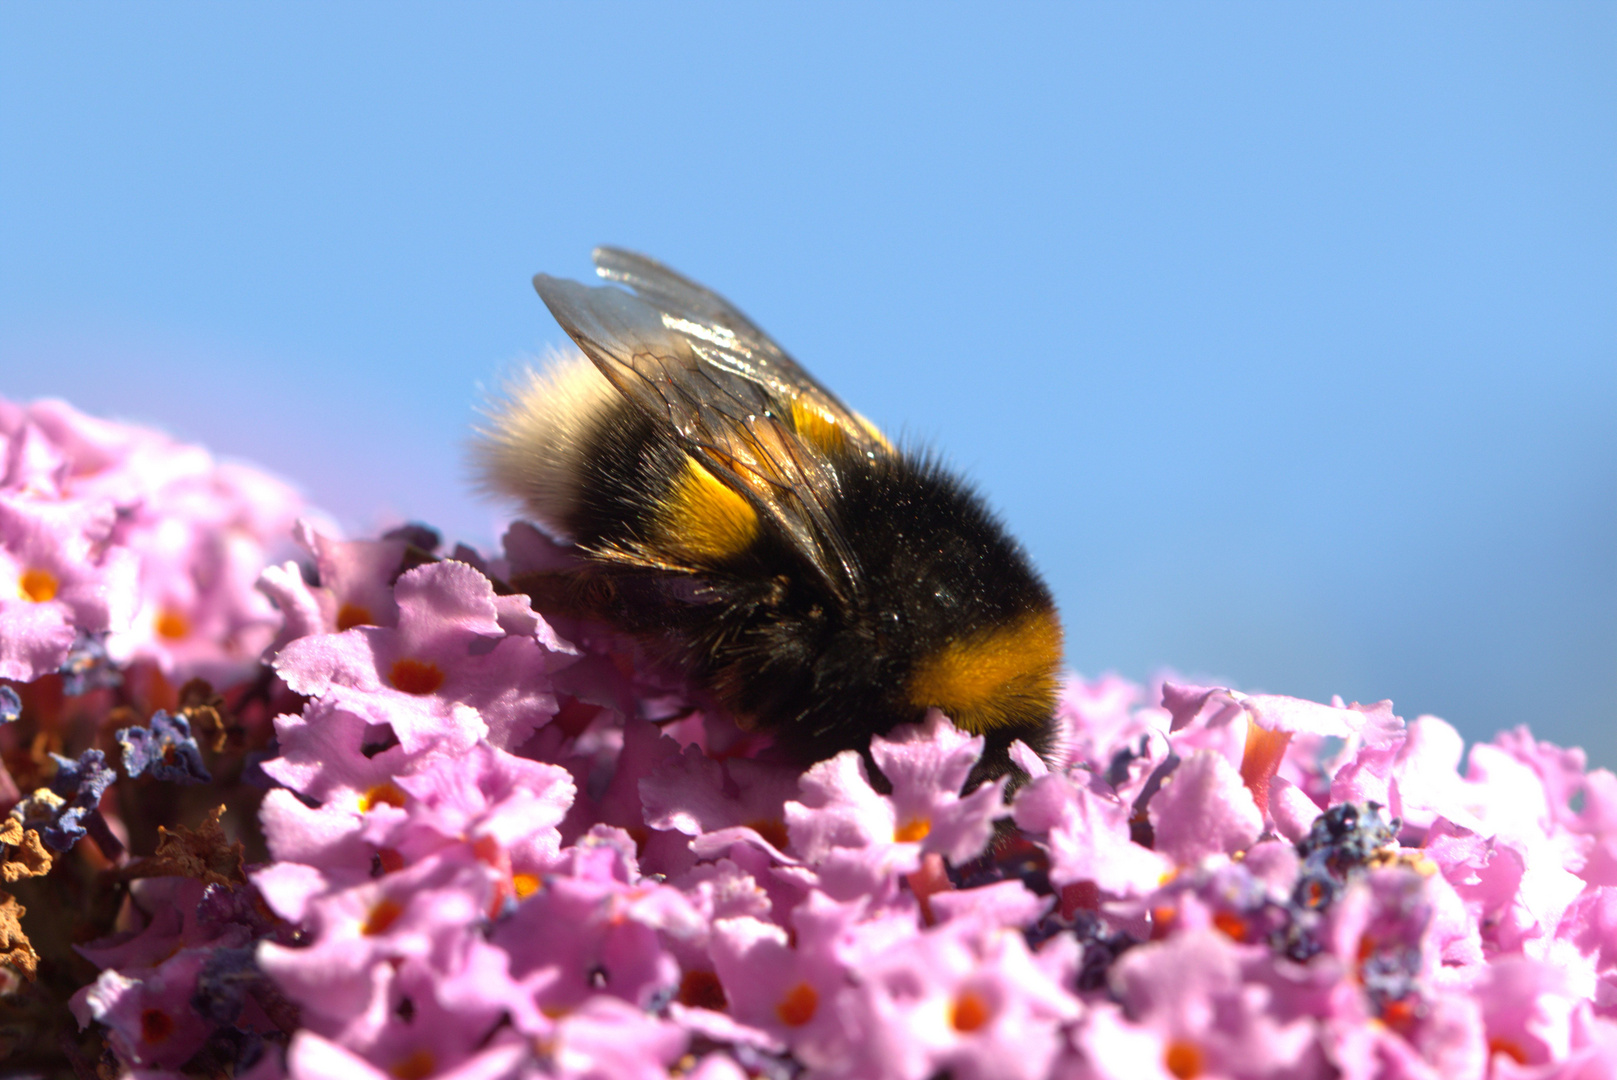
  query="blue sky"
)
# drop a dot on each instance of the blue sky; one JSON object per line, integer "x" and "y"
{"x": 1284, "y": 336}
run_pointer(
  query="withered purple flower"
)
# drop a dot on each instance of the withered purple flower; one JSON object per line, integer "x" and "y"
{"x": 164, "y": 749}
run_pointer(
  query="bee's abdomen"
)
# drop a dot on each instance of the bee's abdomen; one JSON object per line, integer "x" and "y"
{"x": 997, "y": 677}
{"x": 978, "y": 631}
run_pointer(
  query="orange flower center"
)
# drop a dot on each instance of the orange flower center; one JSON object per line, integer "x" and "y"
{"x": 417, "y": 1066}
{"x": 1233, "y": 925}
{"x": 416, "y": 676}
{"x": 1183, "y": 1059}
{"x": 383, "y": 915}
{"x": 37, "y": 585}
{"x": 797, "y": 1007}
{"x": 172, "y": 624}
{"x": 524, "y": 885}
{"x": 386, "y": 792}
{"x": 912, "y": 831}
{"x": 1508, "y": 1048}
{"x": 352, "y": 615}
{"x": 970, "y": 1012}
{"x": 1400, "y": 1014}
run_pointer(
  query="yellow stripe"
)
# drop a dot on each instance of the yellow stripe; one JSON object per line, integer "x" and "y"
{"x": 704, "y": 521}
{"x": 1002, "y": 675}
{"x": 818, "y": 426}
{"x": 825, "y": 431}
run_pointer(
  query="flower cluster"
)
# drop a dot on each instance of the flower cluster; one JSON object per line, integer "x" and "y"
{"x": 119, "y": 543}
{"x": 444, "y": 834}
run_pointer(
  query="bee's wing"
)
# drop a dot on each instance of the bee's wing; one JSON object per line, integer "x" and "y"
{"x": 726, "y": 337}
{"x": 732, "y": 396}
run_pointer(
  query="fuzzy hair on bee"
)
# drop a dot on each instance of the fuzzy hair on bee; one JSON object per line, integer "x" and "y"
{"x": 743, "y": 523}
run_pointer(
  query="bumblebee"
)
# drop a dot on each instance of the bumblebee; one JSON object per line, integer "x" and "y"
{"x": 732, "y": 514}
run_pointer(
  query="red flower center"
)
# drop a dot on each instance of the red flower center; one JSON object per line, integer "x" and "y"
{"x": 702, "y": 990}
{"x": 798, "y": 1006}
{"x": 416, "y": 676}
{"x": 772, "y": 830}
{"x": 1234, "y": 927}
{"x": 156, "y": 1025}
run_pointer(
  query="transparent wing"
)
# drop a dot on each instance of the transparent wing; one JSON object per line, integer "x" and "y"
{"x": 727, "y": 338}
{"x": 690, "y": 360}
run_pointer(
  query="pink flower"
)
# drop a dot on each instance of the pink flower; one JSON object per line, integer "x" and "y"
{"x": 31, "y": 464}
{"x": 1106, "y": 728}
{"x": 447, "y": 675}
{"x": 356, "y": 578}
{"x": 149, "y": 1018}
{"x": 856, "y": 837}
{"x": 58, "y": 576}
{"x": 502, "y": 810}
{"x": 600, "y": 928}
{"x": 695, "y": 794}
{"x": 360, "y": 935}
{"x": 1204, "y": 809}
{"x": 311, "y": 1057}
{"x": 174, "y": 923}
{"x": 1189, "y": 990}
{"x": 188, "y": 538}
{"x": 927, "y": 765}
{"x": 608, "y": 1039}
{"x": 1088, "y": 836}
{"x": 788, "y": 992}
{"x": 348, "y": 767}
{"x": 966, "y": 1000}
